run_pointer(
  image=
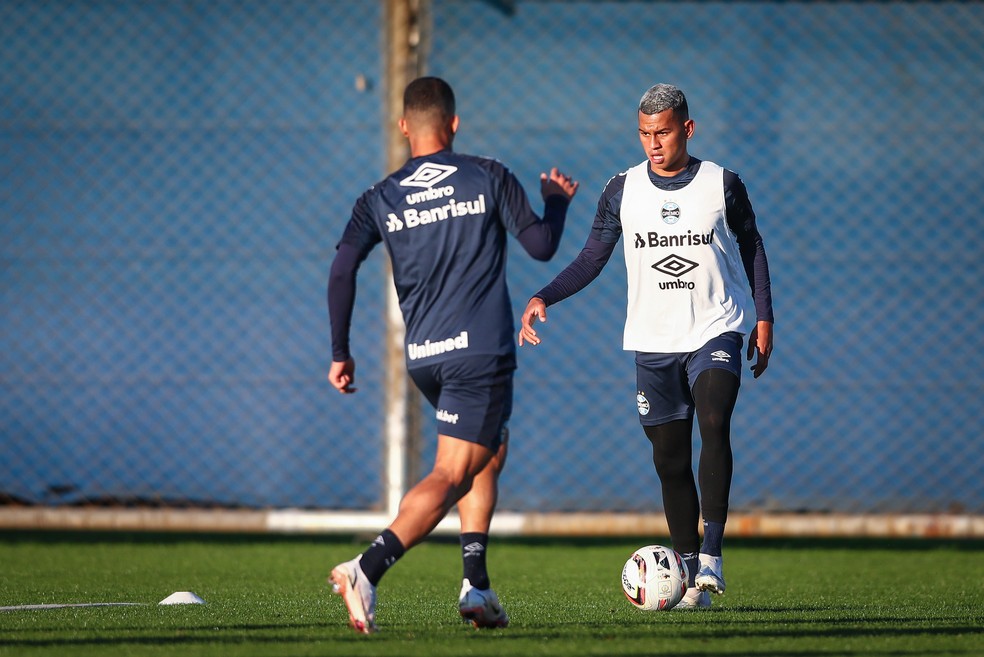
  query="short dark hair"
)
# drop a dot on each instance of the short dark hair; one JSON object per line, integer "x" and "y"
{"x": 429, "y": 94}
{"x": 661, "y": 97}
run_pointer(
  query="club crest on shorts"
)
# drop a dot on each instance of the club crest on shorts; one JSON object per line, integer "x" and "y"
{"x": 642, "y": 403}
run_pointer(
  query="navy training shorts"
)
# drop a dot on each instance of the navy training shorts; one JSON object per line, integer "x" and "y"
{"x": 665, "y": 381}
{"x": 472, "y": 396}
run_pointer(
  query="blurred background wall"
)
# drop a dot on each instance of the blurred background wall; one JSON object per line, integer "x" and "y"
{"x": 174, "y": 177}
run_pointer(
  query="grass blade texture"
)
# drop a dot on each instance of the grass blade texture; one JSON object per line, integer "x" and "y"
{"x": 266, "y": 595}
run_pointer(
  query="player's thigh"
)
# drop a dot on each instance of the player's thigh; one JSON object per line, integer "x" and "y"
{"x": 662, "y": 392}
{"x": 722, "y": 352}
{"x": 460, "y": 460}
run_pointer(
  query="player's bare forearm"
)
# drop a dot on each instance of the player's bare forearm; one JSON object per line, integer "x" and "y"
{"x": 760, "y": 345}
{"x": 535, "y": 308}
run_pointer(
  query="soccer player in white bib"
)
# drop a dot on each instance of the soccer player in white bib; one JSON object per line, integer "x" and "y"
{"x": 696, "y": 267}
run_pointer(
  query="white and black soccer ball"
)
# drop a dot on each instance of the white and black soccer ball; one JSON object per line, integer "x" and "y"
{"x": 654, "y": 578}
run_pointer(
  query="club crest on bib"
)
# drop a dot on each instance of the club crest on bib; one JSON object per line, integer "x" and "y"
{"x": 670, "y": 212}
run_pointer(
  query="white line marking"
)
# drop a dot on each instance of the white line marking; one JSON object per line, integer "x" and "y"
{"x": 82, "y": 604}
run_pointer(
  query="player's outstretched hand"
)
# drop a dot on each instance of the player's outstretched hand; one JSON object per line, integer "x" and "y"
{"x": 760, "y": 342}
{"x": 535, "y": 308}
{"x": 557, "y": 184}
{"x": 342, "y": 376}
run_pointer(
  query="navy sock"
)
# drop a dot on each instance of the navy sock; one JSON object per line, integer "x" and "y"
{"x": 713, "y": 538}
{"x": 473, "y": 546}
{"x": 383, "y": 553}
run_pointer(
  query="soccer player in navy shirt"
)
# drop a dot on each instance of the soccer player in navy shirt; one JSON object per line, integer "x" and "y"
{"x": 444, "y": 218}
{"x": 693, "y": 256}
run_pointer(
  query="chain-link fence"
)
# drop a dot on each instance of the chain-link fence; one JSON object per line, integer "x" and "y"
{"x": 174, "y": 176}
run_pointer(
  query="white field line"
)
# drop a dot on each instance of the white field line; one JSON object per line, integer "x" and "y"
{"x": 80, "y": 604}
{"x": 176, "y": 598}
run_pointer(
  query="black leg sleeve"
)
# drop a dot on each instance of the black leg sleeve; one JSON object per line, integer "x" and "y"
{"x": 673, "y": 458}
{"x": 715, "y": 393}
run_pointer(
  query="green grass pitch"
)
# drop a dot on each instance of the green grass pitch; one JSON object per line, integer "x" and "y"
{"x": 266, "y": 595}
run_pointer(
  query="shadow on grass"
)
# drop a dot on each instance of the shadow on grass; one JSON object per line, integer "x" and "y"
{"x": 815, "y": 637}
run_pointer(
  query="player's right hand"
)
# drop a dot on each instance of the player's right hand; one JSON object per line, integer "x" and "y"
{"x": 342, "y": 376}
{"x": 535, "y": 308}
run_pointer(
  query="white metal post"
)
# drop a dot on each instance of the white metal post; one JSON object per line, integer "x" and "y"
{"x": 404, "y": 44}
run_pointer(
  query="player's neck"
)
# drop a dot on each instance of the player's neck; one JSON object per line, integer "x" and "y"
{"x": 430, "y": 143}
{"x": 426, "y": 152}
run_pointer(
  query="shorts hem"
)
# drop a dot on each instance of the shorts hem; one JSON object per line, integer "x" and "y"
{"x": 655, "y": 422}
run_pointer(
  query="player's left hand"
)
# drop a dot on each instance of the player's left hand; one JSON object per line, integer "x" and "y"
{"x": 760, "y": 343}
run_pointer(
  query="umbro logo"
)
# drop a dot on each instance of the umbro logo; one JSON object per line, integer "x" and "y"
{"x": 675, "y": 266}
{"x": 473, "y": 550}
{"x": 721, "y": 356}
{"x": 428, "y": 174}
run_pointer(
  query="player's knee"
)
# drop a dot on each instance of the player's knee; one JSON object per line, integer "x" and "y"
{"x": 672, "y": 469}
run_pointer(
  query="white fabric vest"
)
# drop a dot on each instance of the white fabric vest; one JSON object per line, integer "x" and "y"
{"x": 686, "y": 282}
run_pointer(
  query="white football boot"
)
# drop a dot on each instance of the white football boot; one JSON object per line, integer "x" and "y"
{"x": 694, "y": 598}
{"x": 709, "y": 577}
{"x": 348, "y": 581}
{"x": 481, "y": 608}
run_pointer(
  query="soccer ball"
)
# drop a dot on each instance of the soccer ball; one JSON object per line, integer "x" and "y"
{"x": 654, "y": 578}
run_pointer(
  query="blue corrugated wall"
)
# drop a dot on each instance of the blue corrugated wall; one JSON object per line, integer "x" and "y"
{"x": 174, "y": 176}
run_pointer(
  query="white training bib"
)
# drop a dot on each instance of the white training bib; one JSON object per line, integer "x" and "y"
{"x": 686, "y": 283}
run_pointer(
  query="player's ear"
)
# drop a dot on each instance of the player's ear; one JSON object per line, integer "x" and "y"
{"x": 454, "y": 124}
{"x": 689, "y": 126}
{"x": 402, "y": 123}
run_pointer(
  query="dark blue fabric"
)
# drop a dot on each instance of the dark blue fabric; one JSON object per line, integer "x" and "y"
{"x": 444, "y": 219}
